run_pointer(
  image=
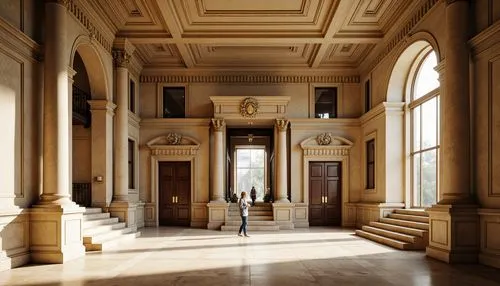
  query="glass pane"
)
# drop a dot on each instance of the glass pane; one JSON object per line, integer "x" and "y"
{"x": 416, "y": 180}
{"x": 427, "y": 77}
{"x": 243, "y": 180}
{"x": 257, "y": 158}
{"x": 429, "y": 176}
{"x": 416, "y": 128}
{"x": 173, "y": 102}
{"x": 258, "y": 183}
{"x": 429, "y": 123}
{"x": 370, "y": 184}
{"x": 325, "y": 102}
{"x": 242, "y": 158}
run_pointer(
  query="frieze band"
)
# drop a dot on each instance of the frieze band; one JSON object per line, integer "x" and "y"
{"x": 248, "y": 79}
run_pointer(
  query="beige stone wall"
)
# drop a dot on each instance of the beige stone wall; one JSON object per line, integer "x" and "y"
{"x": 81, "y": 154}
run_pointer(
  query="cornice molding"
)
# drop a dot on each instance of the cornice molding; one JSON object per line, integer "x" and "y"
{"x": 322, "y": 123}
{"x": 92, "y": 28}
{"x": 399, "y": 37}
{"x": 19, "y": 42}
{"x": 485, "y": 39}
{"x": 102, "y": 104}
{"x": 249, "y": 78}
{"x": 394, "y": 108}
{"x": 172, "y": 123}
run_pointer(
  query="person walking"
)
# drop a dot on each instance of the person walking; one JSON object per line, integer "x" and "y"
{"x": 244, "y": 205}
{"x": 253, "y": 195}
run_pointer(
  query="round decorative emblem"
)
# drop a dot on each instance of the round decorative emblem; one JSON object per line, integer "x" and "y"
{"x": 173, "y": 139}
{"x": 324, "y": 139}
{"x": 249, "y": 107}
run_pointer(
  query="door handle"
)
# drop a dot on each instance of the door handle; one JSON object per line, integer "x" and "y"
{"x": 176, "y": 199}
{"x": 173, "y": 199}
{"x": 326, "y": 199}
{"x": 322, "y": 199}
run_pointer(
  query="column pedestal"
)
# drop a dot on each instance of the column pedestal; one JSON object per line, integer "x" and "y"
{"x": 217, "y": 214}
{"x": 283, "y": 214}
{"x": 56, "y": 233}
{"x": 125, "y": 212}
{"x": 453, "y": 233}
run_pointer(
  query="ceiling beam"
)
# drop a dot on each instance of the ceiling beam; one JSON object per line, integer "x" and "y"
{"x": 366, "y": 39}
{"x": 336, "y": 23}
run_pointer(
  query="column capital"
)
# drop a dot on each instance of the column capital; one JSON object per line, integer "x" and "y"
{"x": 281, "y": 124}
{"x": 218, "y": 123}
{"x": 102, "y": 104}
{"x": 121, "y": 58}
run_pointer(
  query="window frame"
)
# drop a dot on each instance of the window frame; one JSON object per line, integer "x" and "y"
{"x": 312, "y": 94}
{"x": 235, "y": 166}
{"x": 131, "y": 163}
{"x": 159, "y": 99}
{"x": 412, "y": 104}
{"x": 131, "y": 95}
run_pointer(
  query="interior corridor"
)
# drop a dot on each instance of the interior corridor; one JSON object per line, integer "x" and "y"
{"x": 314, "y": 256}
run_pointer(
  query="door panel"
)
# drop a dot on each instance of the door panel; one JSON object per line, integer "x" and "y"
{"x": 175, "y": 193}
{"x": 325, "y": 193}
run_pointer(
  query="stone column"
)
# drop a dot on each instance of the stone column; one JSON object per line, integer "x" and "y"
{"x": 282, "y": 208}
{"x": 218, "y": 171}
{"x": 56, "y": 221}
{"x": 217, "y": 208}
{"x": 281, "y": 163}
{"x": 120, "y": 206}
{"x": 453, "y": 220}
{"x": 102, "y": 152}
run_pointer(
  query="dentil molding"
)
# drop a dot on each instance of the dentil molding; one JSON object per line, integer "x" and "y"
{"x": 248, "y": 78}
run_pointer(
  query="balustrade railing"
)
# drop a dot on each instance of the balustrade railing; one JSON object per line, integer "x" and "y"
{"x": 82, "y": 194}
{"x": 81, "y": 107}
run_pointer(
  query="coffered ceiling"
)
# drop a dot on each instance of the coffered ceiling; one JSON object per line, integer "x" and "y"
{"x": 211, "y": 34}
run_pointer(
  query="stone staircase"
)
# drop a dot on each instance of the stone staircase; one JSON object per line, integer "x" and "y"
{"x": 260, "y": 218}
{"x": 100, "y": 231}
{"x": 404, "y": 229}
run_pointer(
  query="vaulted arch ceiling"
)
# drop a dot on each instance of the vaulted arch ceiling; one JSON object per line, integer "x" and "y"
{"x": 254, "y": 34}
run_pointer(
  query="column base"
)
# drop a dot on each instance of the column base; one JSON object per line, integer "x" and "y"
{"x": 453, "y": 233}
{"x": 490, "y": 242}
{"x": 217, "y": 214}
{"x": 14, "y": 225}
{"x": 125, "y": 212}
{"x": 56, "y": 233}
{"x": 283, "y": 214}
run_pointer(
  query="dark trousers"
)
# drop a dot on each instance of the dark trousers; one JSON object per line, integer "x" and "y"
{"x": 244, "y": 224}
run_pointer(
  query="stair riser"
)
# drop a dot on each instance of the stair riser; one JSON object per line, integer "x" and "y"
{"x": 103, "y": 228}
{"x": 406, "y": 224}
{"x": 393, "y": 235}
{"x": 402, "y": 246}
{"x": 95, "y": 216}
{"x": 400, "y": 229}
{"x": 252, "y": 213}
{"x": 109, "y": 244}
{"x": 252, "y": 223}
{"x": 92, "y": 223}
{"x": 410, "y": 218}
{"x": 411, "y": 212}
{"x": 251, "y": 218}
{"x": 251, "y": 228}
{"x": 92, "y": 211}
{"x": 105, "y": 236}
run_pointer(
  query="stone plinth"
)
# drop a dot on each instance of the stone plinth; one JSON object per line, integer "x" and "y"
{"x": 283, "y": 214}
{"x": 56, "y": 233}
{"x": 217, "y": 214}
{"x": 125, "y": 212}
{"x": 453, "y": 233}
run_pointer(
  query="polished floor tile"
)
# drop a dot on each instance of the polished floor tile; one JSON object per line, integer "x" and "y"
{"x": 314, "y": 256}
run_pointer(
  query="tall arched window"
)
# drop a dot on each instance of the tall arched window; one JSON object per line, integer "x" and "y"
{"x": 424, "y": 118}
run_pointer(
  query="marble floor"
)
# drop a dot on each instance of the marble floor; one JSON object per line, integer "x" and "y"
{"x": 315, "y": 256}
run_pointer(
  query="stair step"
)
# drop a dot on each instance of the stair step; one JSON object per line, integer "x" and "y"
{"x": 252, "y": 213}
{"x": 105, "y": 236}
{"x": 235, "y": 228}
{"x": 251, "y": 209}
{"x": 104, "y": 245}
{"x": 102, "y": 228}
{"x": 390, "y": 234}
{"x": 251, "y": 218}
{"x": 250, "y": 223}
{"x": 415, "y": 218}
{"x": 96, "y": 222}
{"x": 384, "y": 240}
{"x": 96, "y": 216}
{"x": 92, "y": 211}
{"x": 400, "y": 229}
{"x": 412, "y": 212}
{"x": 405, "y": 223}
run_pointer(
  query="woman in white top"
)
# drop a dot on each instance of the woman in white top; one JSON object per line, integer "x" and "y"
{"x": 244, "y": 205}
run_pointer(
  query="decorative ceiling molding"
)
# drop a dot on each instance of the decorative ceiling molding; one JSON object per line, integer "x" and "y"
{"x": 258, "y": 78}
{"x": 173, "y": 144}
{"x": 328, "y": 146}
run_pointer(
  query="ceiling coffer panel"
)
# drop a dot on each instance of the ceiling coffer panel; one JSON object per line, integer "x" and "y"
{"x": 159, "y": 55}
{"x": 346, "y": 55}
{"x": 287, "y": 18}
{"x": 299, "y": 55}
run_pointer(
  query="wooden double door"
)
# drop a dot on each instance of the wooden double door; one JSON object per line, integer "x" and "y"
{"x": 325, "y": 189}
{"x": 175, "y": 193}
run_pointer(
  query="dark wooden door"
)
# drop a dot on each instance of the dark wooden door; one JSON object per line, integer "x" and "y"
{"x": 325, "y": 193}
{"x": 175, "y": 193}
